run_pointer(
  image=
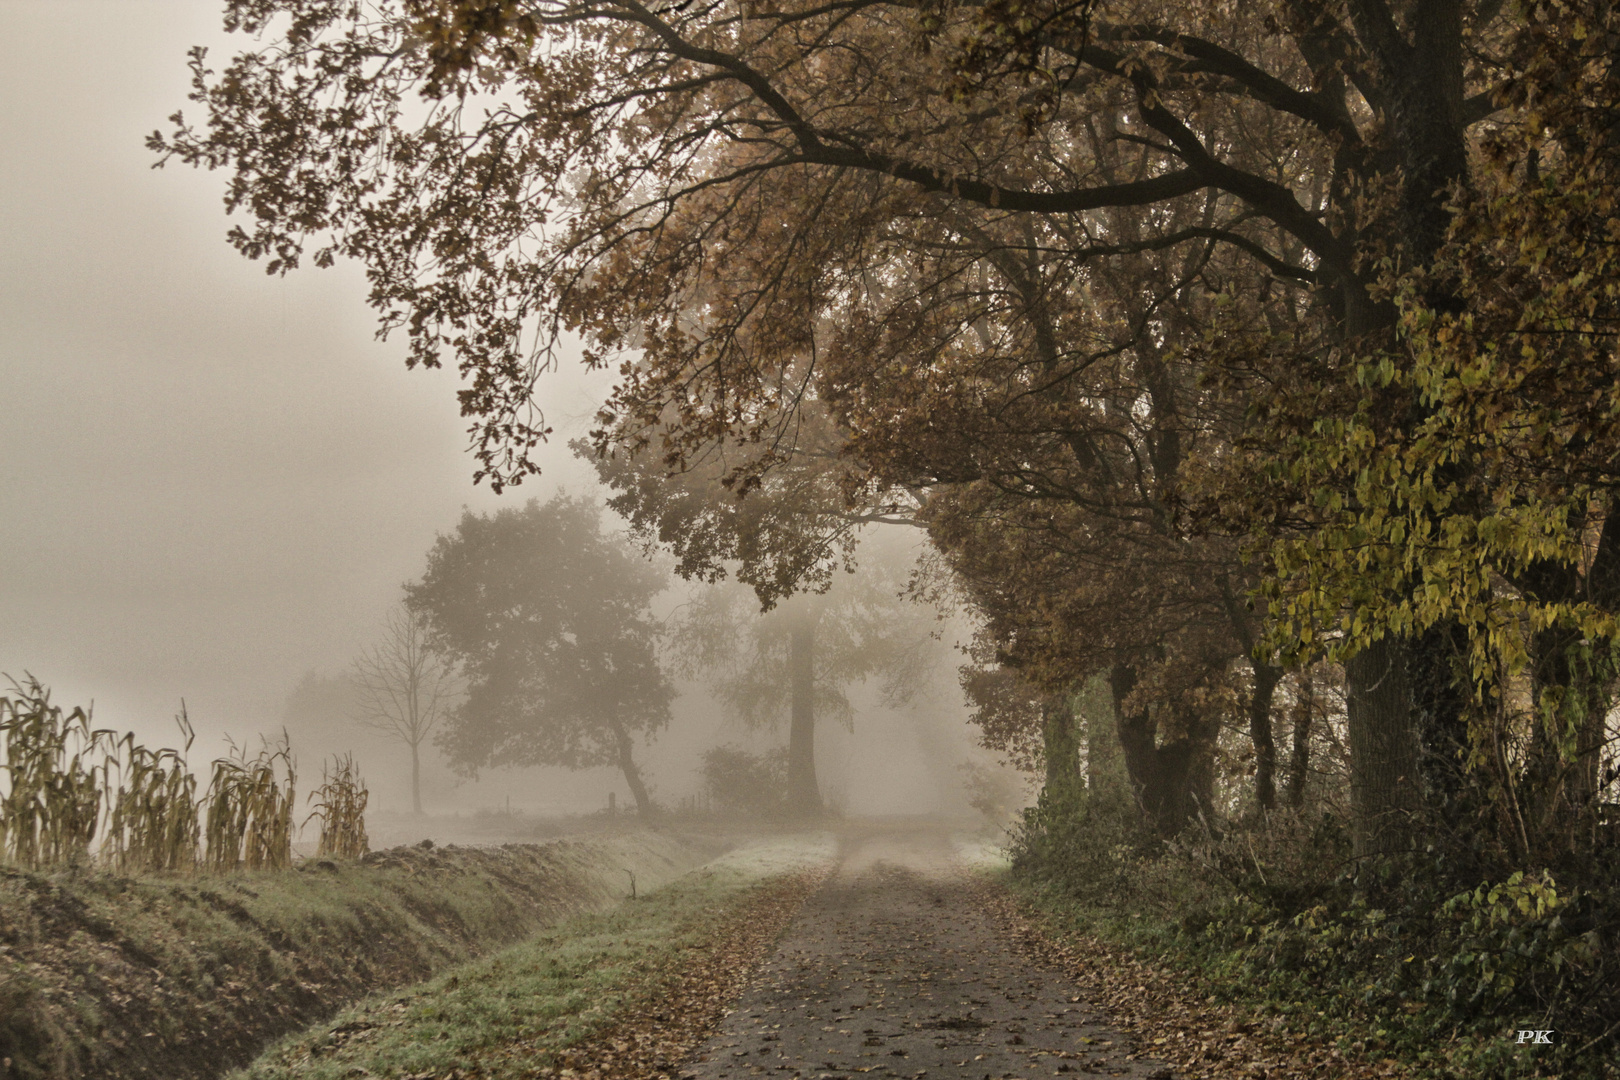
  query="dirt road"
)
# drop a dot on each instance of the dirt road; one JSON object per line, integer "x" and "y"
{"x": 895, "y": 968}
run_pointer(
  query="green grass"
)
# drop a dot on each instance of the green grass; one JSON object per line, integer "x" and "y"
{"x": 178, "y": 976}
{"x": 511, "y": 1013}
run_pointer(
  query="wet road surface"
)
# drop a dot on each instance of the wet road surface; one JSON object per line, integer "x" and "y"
{"x": 895, "y": 969}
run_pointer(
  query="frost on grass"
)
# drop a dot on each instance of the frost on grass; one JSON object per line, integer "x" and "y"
{"x": 979, "y": 854}
{"x": 552, "y": 1001}
{"x": 774, "y": 856}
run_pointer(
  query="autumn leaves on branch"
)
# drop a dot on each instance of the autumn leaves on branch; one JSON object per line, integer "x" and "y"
{"x": 1207, "y": 340}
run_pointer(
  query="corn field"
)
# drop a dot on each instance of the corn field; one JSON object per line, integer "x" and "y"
{"x": 73, "y": 794}
{"x": 250, "y": 810}
{"x": 340, "y": 803}
{"x": 154, "y": 817}
{"x": 53, "y": 797}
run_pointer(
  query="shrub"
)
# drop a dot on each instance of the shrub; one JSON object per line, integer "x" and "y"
{"x": 1398, "y": 954}
{"x": 744, "y": 783}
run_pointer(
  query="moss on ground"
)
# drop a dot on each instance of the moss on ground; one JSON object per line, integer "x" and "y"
{"x": 183, "y": 977}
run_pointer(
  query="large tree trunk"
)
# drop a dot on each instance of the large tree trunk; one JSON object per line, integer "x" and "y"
{"x": 803, "y": 794}
{"x": 1420, "y": 72}
{"x": 1299, "y": 756}
{"x": 1383, "y": 748}
{"x": 1572, "y": 684}
{"x": 1187, "y": 766}
{"x": 1102, "y": 736}
{"x": 632, "y": 775}
{"x": 1173, "y": 782}
{"x": 1563, "y": 702}
{"x": 1137, "y": 740}
{"x": 1440, "y": 715}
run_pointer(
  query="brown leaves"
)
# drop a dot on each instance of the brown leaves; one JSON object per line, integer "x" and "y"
{"x": 1171, "y": 1019}
{"x": 671, "y": 1011}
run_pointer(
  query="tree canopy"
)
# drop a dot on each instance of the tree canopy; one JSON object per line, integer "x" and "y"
{"x": 1110, "y": 295}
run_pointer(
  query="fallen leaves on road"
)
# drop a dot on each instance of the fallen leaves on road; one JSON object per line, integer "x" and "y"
{"x": 684, "y": 1000}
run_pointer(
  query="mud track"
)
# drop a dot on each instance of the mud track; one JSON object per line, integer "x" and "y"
{"x": 897, "y": 967}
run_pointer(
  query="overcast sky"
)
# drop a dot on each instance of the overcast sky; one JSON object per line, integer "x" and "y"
{"x": 211, "y": 480}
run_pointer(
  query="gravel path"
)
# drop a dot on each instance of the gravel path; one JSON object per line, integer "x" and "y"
{"x": 896, "y": 967}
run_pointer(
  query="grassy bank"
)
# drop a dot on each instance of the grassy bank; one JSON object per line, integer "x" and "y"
{"x": 182, "y": 977}
{"x": 622, "y": 993}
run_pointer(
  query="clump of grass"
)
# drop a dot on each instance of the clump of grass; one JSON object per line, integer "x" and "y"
{"x": 153, "y": 826}
{"x": 250, "y": 810}
{"x": 53, "y": 798}
{"x": 340, "y": 803}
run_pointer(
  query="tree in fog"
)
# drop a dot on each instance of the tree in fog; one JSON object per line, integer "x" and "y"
{"x": 798, "y": 660}
{"x": 780, "y": 516}
{"x": 808, "y": 631}
{"x": 319, "y": 701}
{"x": 547, "y": 620}
{"x": 403, "y": 689}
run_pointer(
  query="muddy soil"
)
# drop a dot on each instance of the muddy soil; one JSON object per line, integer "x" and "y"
{"x": 897, "y": 967}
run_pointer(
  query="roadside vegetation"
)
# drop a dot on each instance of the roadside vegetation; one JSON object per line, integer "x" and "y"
{"x": 1380, "y": 959}
{"x": 75, "y": 794}
{"x": 627, "y": 990}
{"x": 182, "y": 975}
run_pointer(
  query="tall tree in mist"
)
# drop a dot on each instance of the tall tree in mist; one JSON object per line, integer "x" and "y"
{"x": 403, "y": 689}
{"x": 318, "y": 702}
{"x": 798, "y": 660}
{"x": 780, "y": 517}
{"x": 547, "y": 620}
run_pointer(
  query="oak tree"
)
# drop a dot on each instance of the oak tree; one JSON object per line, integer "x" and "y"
{"x": 1026, "y": 229}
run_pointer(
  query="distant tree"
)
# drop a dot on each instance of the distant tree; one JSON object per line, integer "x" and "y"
{"x": 547, "y": 621}
{"x": 403, "y": 689}
{"x": 789, "y": 534}
{"x": 781, "y": 515}
{"x": 798, "y": 660}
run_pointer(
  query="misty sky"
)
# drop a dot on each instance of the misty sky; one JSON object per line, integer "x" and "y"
{"x": 212, "y": 480}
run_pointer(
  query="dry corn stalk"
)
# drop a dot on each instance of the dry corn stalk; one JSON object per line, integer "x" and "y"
{"x": 250, "y": 806}
{"x": 154, "y": 818}
{"x": 340, "y": 803}
{"x": 52, "y": 801}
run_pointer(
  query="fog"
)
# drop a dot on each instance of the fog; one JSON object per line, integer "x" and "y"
{"x": 215, "y": 482}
